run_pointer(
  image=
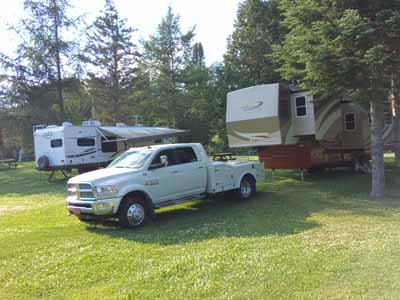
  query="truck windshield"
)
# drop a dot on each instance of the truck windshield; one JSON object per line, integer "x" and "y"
{"x": 131, "y": 159}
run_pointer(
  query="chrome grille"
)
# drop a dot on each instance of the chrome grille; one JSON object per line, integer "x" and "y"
{"x": 82, "y": 191}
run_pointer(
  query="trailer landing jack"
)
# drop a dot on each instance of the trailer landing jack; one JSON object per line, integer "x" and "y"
{"x": 54, "y": 171}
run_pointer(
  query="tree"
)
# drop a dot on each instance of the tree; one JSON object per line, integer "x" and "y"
{"x": 257, "y": 28}
{"x": 34, "y": 81}
{"x": 396, "y": 118}
{"x": 167, "y": 54}
{"x": 335, "y": 47}
{"x": 112, "y": 59}
{"x": 44, "y": 47}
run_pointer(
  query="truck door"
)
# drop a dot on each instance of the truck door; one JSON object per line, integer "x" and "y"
{"x": 194, "y": 172}
{"x": 164, "y": 183}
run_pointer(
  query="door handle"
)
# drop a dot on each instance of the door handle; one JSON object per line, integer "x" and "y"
{"x": 174, "y": 172}
{"x": 201, "y": 167}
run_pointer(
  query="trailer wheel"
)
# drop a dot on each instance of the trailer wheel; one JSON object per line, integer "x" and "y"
{"x": 43, "y": 162}
{"x": 133, "y": 212}
{"x": 247, "y": 188}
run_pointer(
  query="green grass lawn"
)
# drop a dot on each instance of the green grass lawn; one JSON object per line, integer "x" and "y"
{"x": 318, "y": 239}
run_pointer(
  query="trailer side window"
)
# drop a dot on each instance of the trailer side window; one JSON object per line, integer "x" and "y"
{"x": 85, "y": 142}
{"x": 350, "y": 121}
{"x": 301, "y": 106}
{"x": 109, "y": 147}
{"x": 186, "y": 155}
{"x": 56, "y": 143}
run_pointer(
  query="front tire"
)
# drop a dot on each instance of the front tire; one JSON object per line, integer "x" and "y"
{"x": 247, "y": 188}
{"x": 132, "y": 213}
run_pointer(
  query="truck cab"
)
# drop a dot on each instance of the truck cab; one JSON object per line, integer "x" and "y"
{"x": 143, "y": 179}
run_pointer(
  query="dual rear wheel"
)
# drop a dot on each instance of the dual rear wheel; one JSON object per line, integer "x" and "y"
{"x": 247, "y": 188}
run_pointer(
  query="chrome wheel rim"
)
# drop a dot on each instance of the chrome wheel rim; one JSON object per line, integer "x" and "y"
{"x": 135, "y": 214}
{"x": 245, "y": 189}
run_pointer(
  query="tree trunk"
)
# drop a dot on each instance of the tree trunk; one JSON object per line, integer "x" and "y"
{"x": 59, "y": 84}
{"x": 396, "y": 133}
{"x": 378, "y": 165}
{"x": 396, "y": 120}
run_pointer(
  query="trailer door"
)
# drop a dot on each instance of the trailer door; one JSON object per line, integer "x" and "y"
{"x": 303, "y": 118}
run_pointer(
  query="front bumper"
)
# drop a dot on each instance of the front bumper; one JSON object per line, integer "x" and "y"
{"x": 99, "y": 207}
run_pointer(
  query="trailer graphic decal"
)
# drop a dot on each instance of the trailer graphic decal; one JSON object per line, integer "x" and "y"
{"x": 84, "y": 153}
{"x": 249, "y": 107}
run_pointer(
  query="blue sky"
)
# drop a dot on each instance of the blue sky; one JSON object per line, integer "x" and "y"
{"x": 214, "y": 19}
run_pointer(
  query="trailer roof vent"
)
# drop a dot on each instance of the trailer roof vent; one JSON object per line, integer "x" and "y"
{"x": 120, "y": 125}
{"x": 91, "y": 123}
{"x": 67, "y": 124}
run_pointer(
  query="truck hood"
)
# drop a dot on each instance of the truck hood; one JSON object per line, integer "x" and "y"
{"x": 101, "y": 175}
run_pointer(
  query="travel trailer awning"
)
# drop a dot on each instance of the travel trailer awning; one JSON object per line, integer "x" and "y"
{"x": 141, "y": 134}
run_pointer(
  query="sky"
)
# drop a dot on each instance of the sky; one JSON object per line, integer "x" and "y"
{"x": 214, "y": 19}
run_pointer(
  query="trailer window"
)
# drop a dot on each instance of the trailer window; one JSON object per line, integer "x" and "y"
{"x": 109, "y": 147}
{"x": 56, "y": 143}
{"x": 85, "y": 142}
{"x": 350, "y": 121}
{"x": 301, "y": 106}
{"x": 186, "y": 155}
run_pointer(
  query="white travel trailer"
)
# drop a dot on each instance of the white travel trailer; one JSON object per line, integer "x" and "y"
{"x": 91, "y": 145}
{"x": 291, "y": 130}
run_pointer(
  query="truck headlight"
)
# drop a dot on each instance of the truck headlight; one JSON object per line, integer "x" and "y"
{"x": 106, "y": 190}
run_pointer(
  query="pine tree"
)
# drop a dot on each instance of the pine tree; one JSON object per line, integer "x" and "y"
{"x": 257, "y": 28}
{"x": 167, "y": 54}
{"x": 45, "y": 51}
{"x": 112, "y": 65}
{"x": 339, "y": 46}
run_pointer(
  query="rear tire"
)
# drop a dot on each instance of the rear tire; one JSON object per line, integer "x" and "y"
{"x": 247, "y": 188}
{"x": 133, "y": 212}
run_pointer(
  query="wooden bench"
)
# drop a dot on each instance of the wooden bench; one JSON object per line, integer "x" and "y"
{"x": 9, "y": 162}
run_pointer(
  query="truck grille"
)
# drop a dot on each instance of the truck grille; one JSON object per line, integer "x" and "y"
{"x": 82, "y": 191}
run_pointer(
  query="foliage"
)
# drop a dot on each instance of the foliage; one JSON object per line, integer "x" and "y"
{"x": 257, "y": 28}
{"x": 167, "y": 54}
{"x": 340, "y": 48}
{"x": 34, "y": 82}
{"x": 111, "y": 59}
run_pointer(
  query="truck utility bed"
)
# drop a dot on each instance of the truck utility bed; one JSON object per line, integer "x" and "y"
{"x": 223, "y": 176}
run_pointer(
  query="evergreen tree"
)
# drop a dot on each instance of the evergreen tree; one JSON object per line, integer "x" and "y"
{"x": 257, "y": 28}
{"x": 167, "y": 54}
{"x": 112, "y": 63}
{"x": 339, "y": 46}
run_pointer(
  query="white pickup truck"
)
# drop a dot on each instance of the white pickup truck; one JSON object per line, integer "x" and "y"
{"x": 143, "y": 179}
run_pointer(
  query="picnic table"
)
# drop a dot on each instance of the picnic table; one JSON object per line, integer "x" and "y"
{"x": 10, "y": 162}
{"x": 223, "y": 156}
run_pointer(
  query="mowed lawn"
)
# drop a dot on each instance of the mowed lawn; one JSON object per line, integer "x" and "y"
{"x": 318, "y": 239}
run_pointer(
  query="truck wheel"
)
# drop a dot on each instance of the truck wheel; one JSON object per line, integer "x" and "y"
{"x": 247, "y": 188}
{"x": 132, "y": 213}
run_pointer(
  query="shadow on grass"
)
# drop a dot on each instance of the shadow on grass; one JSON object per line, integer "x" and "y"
{"x": 284, "y": 210}
{"x": 264, "y": 215}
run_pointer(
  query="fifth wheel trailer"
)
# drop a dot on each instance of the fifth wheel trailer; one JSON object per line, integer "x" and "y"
{"x": 291, "y": 130}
